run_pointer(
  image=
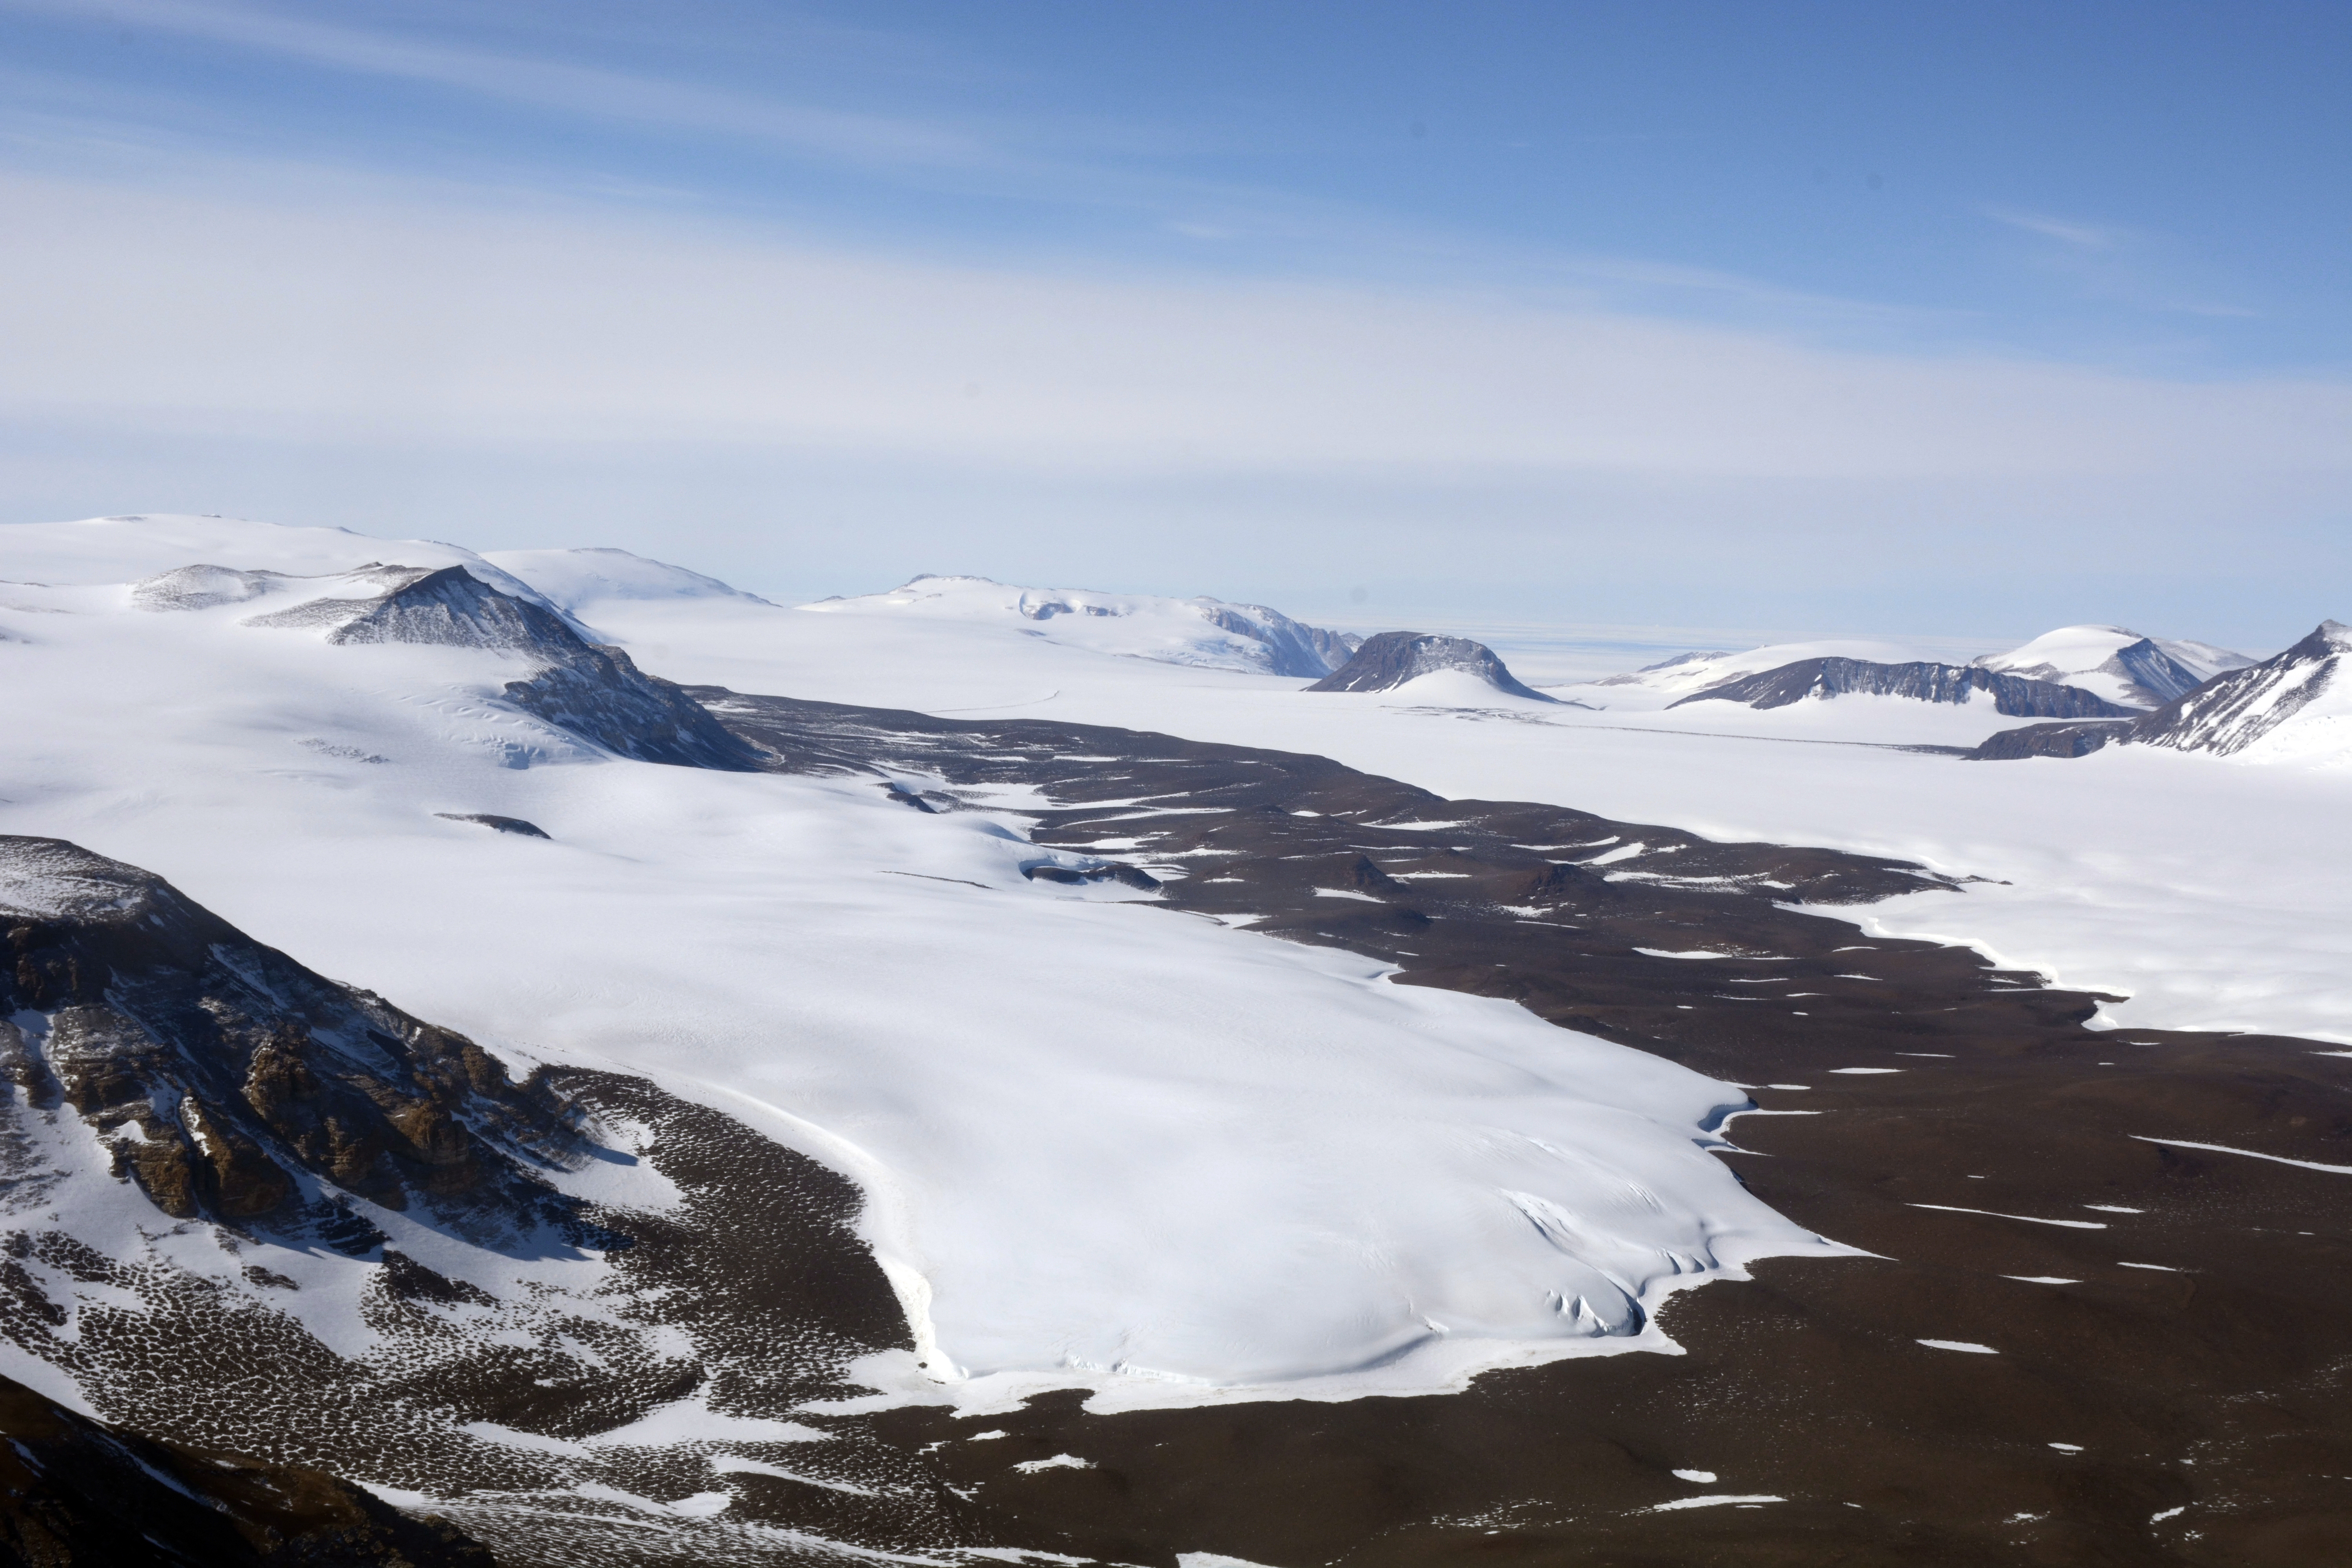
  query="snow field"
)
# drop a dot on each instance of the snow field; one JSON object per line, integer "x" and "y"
{"x": 1104, "y": 1145}
{"x": 2204, "y": 889}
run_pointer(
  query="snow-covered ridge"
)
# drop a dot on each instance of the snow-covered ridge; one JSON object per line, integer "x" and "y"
{"x": 2297, "y": 706}
{"x": 594, "y": 692}
{"x": 577, "y": 578}
{"x": 2294, "y": 707}
{"x": 101, "y": 549}
{"x": 2122, "y": 671}
{"x": 1924, "y": 681}
{"x": 1661, "y": 683}
{"x": 2117, "y": 663}
{"x": 1203, "y": 632}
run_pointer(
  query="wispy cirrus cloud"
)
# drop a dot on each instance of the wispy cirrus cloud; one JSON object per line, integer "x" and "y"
{"x": 2080, "y": 236}
{"x": 2117, "y": 264}
{"x": 584, "y": 90}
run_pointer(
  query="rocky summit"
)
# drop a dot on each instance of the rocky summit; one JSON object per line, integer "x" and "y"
{"x": 1390, "y": 660}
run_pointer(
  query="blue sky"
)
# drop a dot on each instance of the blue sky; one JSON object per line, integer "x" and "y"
{"x": 1809, "y": 316}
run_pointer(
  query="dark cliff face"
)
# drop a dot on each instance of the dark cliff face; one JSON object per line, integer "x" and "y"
{"x": 75, "y": 1493}
{"x": 1387, "y": 661}
{"x": 2155, "y": 672}
{"x": 598, "y": 693}
{"x": 1926, "y": 682}
{"x": 2224, "y": 715}
{"x": 232, "y": 1084}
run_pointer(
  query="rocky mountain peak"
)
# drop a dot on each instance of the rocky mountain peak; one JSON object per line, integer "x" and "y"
{"x": 1387, "y": 661}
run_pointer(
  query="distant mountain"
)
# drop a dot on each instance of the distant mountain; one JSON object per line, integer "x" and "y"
{"x": 575, "y": 578}
{"x": 1657, "y": 685}
{"x": 589, "y": 688}
{"x": 1665, "y": 669}
{"x": 1204, "y": 632}
{"x": 1393, "y": 659}
{"x": 158, "y": 546}
{"x": 1922, "y": 681}
{"x": 2296, "y": 706}
{"x": 2117, "y": 663}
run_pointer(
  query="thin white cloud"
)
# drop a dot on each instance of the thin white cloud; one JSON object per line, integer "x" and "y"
{"x": 1055, "y": 161}
{"x": 2122, "y": 266}
{"x": 587, "y": 91}
{"x": 2081, "y": 235}
{"x": 396, "y": 321}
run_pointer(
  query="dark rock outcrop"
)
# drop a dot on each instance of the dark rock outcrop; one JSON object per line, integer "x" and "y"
{"x": 232, "y": 1084}
{"x": 1923, "y": 681}
{"x": 2051, "y": 740}
{"x": 1107, "y": 871}
{"x": 75, "y": 1493}
{"x": 1387, "y": 661}
{"x": 515, "y": 824}
{"x": 597, "y": 694}
{"x": 2149, "y": 671}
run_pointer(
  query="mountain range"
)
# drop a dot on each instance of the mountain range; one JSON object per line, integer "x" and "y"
{"x": 837, "y": 1083}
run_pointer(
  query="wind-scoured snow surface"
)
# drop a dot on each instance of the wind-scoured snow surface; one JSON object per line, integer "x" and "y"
{"x": 2210, "y": 894}
{"x": 1102, "y": 1145}
{"x": 1203, "y": 632}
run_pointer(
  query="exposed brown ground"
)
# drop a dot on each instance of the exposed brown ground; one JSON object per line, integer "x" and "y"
{"x": 2211, "y": 1380}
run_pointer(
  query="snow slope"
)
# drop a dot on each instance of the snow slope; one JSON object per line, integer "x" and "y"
{"x": 2205, "y": 893}
{"x": 127, "y": 549}
{"x": 1206, "y": 633}
{"x": 574, "y": 577}
{"x": 1104, "y": 1145}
